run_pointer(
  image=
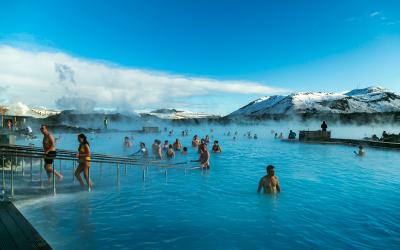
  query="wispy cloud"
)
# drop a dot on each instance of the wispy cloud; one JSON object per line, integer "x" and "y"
{"x": 375, "y": 13}
{"x": 53, "y": 78}
{"x": 377, "y": 17}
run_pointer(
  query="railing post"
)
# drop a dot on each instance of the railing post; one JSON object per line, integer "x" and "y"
{"x": 166, "y": 174}
{"x": 118, "y": 173}
{"x": 31, "y": 165}
{"x": 60, "y": 166}
{"x": 185, "y": 171}
{"x": 144, "y": 173}
{"x": 54, "y": 179}
{"x": 12, "y": 180}
{"x": 41, "y": 170}
{"x": 3, "y": 190}
{"x": 73, "y": 171}
{"x": 22, "y": 166}
{"x": 125, "y": 169}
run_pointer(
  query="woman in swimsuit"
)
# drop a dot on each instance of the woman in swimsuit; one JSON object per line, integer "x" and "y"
{"x": 83, "y": 156}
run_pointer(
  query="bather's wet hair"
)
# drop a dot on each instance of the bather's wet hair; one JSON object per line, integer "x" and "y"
{"x": 83, "y": 137}
{"x": 270, "y": 167}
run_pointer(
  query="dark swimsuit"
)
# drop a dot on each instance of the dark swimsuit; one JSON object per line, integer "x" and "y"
{"x": 50, "y": 156}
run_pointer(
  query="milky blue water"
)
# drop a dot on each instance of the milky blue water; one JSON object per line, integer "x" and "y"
{"x": 330, "y": 199}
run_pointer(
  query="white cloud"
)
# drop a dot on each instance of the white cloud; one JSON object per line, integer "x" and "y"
{"x": 48, "y": 78}
{"x": 374, "y": 14}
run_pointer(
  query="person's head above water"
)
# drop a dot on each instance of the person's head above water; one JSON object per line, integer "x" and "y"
{"x": 44, "y": 129}
{"x": 166, "y": 142}
{"x": 82, "y": 139}
{"x": 270, "y": 170}
{"x": 216, "y": 142}
{"x": 142, "y": 145}
{"x": 126, "y": 138}
{"x": 185, "y": 149}
{"x": 360, "y": 147}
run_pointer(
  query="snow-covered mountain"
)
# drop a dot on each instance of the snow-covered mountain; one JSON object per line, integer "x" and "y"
{"x": 367, "y": 100}
{"x": 173, "y": 114}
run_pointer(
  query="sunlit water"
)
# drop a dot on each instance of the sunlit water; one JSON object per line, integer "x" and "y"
{"x": 330, "y": 199}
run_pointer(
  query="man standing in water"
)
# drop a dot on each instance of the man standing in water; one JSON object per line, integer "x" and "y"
{"x": 270, "y": 182}
{"x": 324, "y": 126}
{"x": 105, "y": 122}
{"x": 49, "y": 148}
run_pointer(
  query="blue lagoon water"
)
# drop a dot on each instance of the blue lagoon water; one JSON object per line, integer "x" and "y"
{"x": 330, "y": 199}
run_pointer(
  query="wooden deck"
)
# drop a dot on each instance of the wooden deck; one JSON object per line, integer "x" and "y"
{"x": 16, "y": 232}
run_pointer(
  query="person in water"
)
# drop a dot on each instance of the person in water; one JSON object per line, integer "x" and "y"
{"x": 165, "y": 145}
{"x": 292, "y": 135}
{"x": 204, "y": 157}
{"x": 83, "y": 156}
{"x": 185, "y": 151}
{"x": 10, "y": 125}
{"x": 269, "y": 182}
{"x": 195, "y": 141}
{"x": 127, "y": 143}
{"x": 324, "y": 126}
{"x": 202, "y": 142}
{"x": 280, "y": 136}
{"x": 156, "y": 149}
{"x": 170, "y": 152}
{"x": 255, "y": 136}
{"x": 361, "y": 151}
{"x": 216, "y": 148}
{"x": 105, "y": 122}
{"x": 158, "y": 154}
{"x": 207, "y": 139}
{"x": 49, "y": 148}
{"x": 177, "y": 145}
{"x": 143, "y": 150}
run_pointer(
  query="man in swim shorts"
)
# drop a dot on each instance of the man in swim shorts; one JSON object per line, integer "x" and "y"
{"x": 50, "y": 153}
{"x": 269, "y": 182}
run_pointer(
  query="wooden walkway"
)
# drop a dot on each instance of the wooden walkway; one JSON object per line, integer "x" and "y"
{"x": 16, "y": 232}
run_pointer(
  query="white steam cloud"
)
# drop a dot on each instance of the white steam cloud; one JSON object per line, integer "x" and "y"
{"x": 56, "y": 79}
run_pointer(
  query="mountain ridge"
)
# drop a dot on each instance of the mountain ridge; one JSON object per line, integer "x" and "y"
{"x": 365, "y": 100}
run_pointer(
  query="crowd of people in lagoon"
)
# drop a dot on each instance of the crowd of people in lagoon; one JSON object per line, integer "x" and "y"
{"x": 167, "y": 150}
{"x": 269, "y": 183}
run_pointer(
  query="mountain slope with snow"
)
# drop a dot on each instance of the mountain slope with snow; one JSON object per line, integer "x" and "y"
{"x": 173, "y": 114}
{"x": 367, "y": 100}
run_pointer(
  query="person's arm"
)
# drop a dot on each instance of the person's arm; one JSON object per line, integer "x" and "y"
{"x": 278, "y": 187}
{"x": 260, "y": 185}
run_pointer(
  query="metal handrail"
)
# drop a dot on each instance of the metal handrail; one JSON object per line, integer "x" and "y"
{"x": 68, "y": 155}
{"x": 66, "y": 152}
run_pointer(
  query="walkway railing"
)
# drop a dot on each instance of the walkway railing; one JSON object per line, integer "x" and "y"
{"x": 13, "y": 154}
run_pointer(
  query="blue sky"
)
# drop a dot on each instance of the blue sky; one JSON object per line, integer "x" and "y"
{"x": 286, "y": 45}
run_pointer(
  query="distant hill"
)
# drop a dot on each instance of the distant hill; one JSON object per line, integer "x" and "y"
{"x": 368, "y": 100}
